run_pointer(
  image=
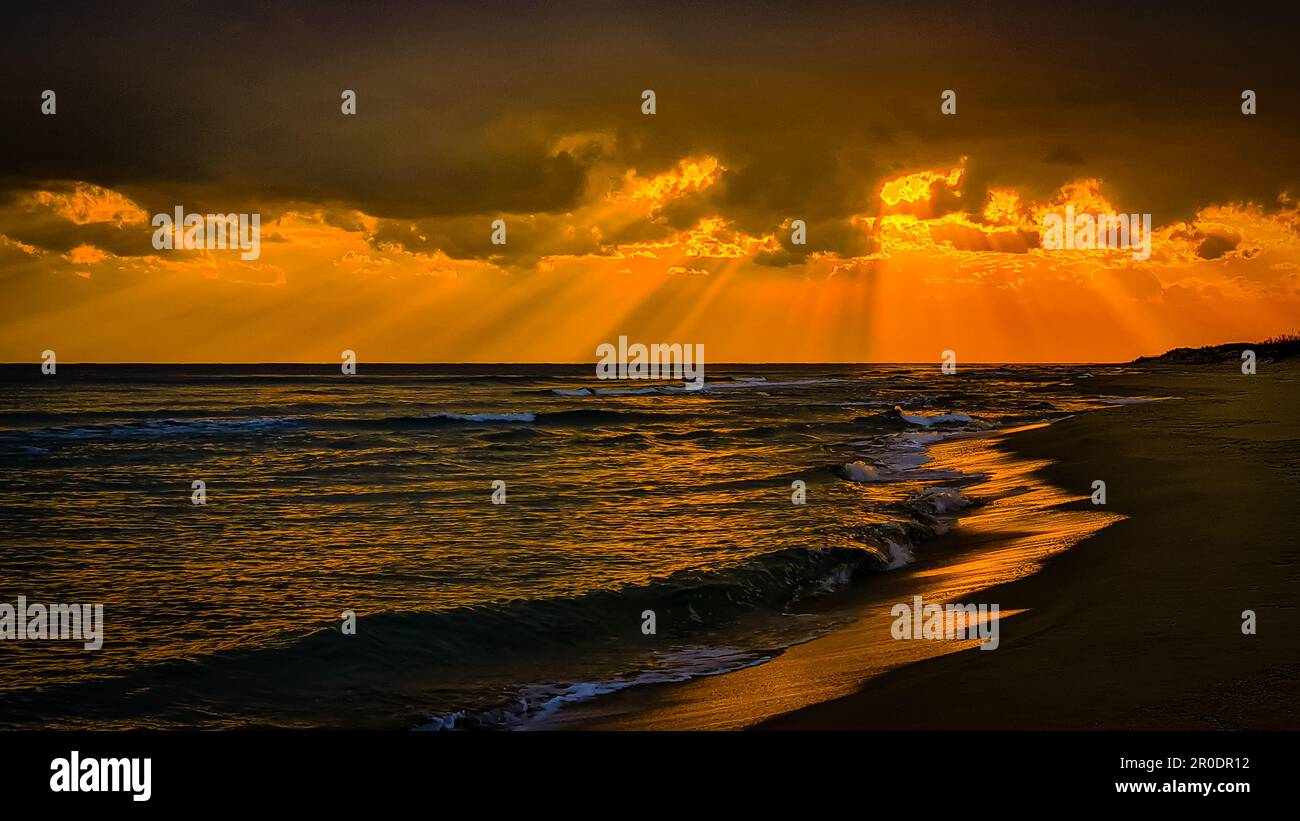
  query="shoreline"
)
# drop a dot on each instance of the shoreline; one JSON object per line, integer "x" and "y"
{"x": 1139, "y": 626}
{"x": 1134, "y": 625}
{"x": 984, "y": 548}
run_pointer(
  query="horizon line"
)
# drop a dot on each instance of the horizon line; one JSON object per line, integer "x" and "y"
{"x": 37, "y": 363}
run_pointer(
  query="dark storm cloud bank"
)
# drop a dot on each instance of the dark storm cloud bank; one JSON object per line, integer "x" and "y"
{"x": 808, "y": 107}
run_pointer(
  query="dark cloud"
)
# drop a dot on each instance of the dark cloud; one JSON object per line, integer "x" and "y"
{"x": 528, "y": 238}
{"x": 808, "y": 106}
{"x": 1215, "y": 246}
{"x": 46, "y": 229}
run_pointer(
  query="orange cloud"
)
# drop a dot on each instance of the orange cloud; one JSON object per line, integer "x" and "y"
{"x": 691, "y": 175}
{"x": 923, "y": 194}
{"x": 948, "y": 273}
{"x": 88, "y": 203}
{"x": 85, "y": 255}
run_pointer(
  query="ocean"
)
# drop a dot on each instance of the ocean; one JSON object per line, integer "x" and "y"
{"x": 624, "y": 503}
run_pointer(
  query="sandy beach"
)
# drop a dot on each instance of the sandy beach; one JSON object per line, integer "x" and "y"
{"x": 1138, "y": 626}
{"x": 1122, "y": 616}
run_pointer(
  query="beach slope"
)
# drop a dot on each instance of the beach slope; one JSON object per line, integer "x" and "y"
{"x": 1139, "y": 626}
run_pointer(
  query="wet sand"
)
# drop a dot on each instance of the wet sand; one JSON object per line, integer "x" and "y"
{"x": 1122, "y": 616}
{"x": 1140, "y": 625}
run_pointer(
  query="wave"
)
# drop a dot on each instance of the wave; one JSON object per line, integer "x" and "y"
{"x": 862, "y": 472}
{"x": 540, "y": 701}
{"x": 483, "y": 417}
{"x": 700, "y": 598}
{"x": 686, "y": 603}
{"x": 457, "y": 639}
{"x": 172, "y": 427}
{"x": 929, "y": 514}
{"x": 929, "y": 420}
{"x": 893, "y": 457}
{"x": 575, "y": 417}
{"x": 162, "y": 428}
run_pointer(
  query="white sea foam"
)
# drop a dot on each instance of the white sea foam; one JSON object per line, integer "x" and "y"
{"x": 862, "y": 472}
{"x": 900, "y": 555}
{"x": 934, "y": 419}
{"x": 908, "y": 451}
{"x": 536, "y": 703}
{"x": 901, "y": 455}
{"x": 943, "y": 500}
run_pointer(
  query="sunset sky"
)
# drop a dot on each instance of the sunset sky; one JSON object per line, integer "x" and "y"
{"x": 923, "y": 229}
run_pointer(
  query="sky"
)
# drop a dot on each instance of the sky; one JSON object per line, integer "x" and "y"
{"x": 923, "y": 229}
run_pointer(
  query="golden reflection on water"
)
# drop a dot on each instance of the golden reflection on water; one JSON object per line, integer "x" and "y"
{"x": 1018, "y": 523}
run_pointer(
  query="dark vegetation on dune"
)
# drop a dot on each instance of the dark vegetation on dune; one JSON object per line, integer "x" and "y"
{"x": 1273, "y": 349}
